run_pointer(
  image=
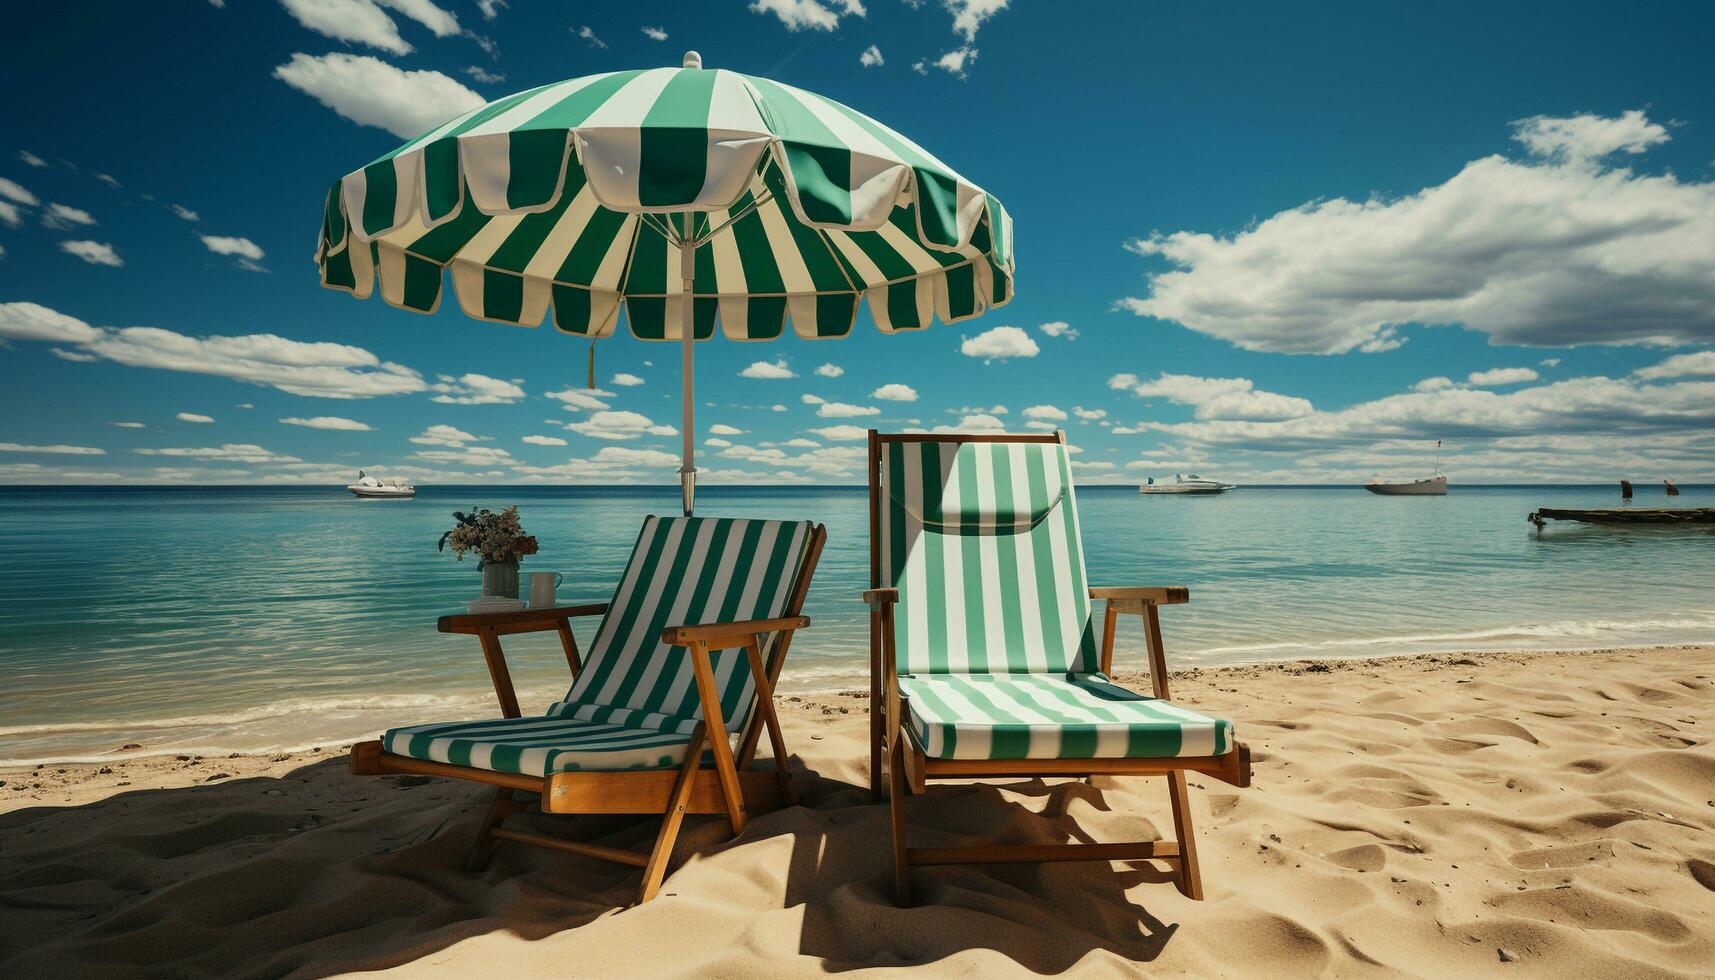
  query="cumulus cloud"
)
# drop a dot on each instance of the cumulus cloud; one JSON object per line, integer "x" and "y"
{"x": 655, "y": 33}
{"x": 620, "y": 426}
{"x": 582, "y": 399}
{"x": 842, "y": 433}
{"x": 364, "y": 22}
{"x": 194, "y": 417}
{"x": 768, "y": 369}
{"x": 482, "y": 75}
{"x": 64, "y": 216}
{"x": 722, "y": 429}
{"x": 1502, "y": 376}
{"x": 830, "y": 371}
{"x": 544, "y": 440}
{"x": 625, "y": 380}
{"x": 1059, "y": 328}
{"x": 871, "y": 57}
{"x": 10, "y": 216}
{"x": 815, "y": 15}
{"x": 998, "y": 344}
{"x": 895, "y": 392}
{"x": 32, "y": 321}
{"x": 57, "y": 450}
{"x": 1562, "y": 248}
{"x": 95, "y": 253}
{"x": 968, "y": 15}
{"x": 14, "y": 191}
{"x": 1698, "y": 365}
{"x": 371, "y": 92}
{"x": 1214, "y": 398}
{"x": 1090, "y": 414}
{"x": 332, "y": 423}
{"x": 475, "y": 389}
{"x": 975, "y": 425}
{"x": 611, "y": 464}
{"x": 323, "y": 370}
{"x": 1046, "y": 413}
{"x": 956, "y": 62}
{"x": 229, "y": 453}
{"x": 445, "y": 435}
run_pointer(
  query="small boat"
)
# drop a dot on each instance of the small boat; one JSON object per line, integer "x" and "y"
{"x": 369, "y": 488}
{"x": 1429, "y": 486}
{"x": 1188, "y": 483}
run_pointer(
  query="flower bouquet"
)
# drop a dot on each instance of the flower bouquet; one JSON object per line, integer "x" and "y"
{"x": 499, "y": 541}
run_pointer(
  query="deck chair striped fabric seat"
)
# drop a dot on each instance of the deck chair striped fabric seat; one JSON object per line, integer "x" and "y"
{"x": 987, "y": 658}
{"x": 681, "y": 641}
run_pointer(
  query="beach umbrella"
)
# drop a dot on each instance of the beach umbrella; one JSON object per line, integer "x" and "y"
{"x": 628, "y": 191}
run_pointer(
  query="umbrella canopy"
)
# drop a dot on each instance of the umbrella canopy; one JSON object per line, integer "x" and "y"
{"x": 568, "y": 202}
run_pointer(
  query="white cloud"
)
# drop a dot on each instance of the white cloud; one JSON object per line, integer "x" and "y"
{"x": 475, "y": 389}
{"x": 999, "y": 343}
{"x": 1090, "y": 414}
{"x": 95, "y": 253}
{"x": 818, "y": 15}
{"x": 232, "y": 452}
{"x": 13, "y": 191}
{"x": 483, "y": 76}
{"x": 75, "y": 356}
{"x": 777, "y": 408}
{"x": 1059, "y": 328}
{"x": 127, "y": 425}
{"x": 957, "y": 62}
{"x": 490, "y": 8}
{"x": 842, "y": 433}
{"x": 1588, "y": 137}
{"x": 625, "y": 380}
{"x": 194, "y": 417}
{"x": 611, "y": 464}
{"x": 1549, "y": 362}
{"x": 31, "y": 159}
{"x": 830, "y": 371}
{"x": 655, "y": 33}
{"x": 544, "y": 440}
{"x": 1437, "y": 383}
{"x": 582, "y": 399}
{"x": 247, "y": 251}
{"x": 444, "y": 435}
{"x": 64, "y": 216}
{"x": 968, "y": 15}
{"x": 722, "y": 429}
{"x": 32, "y": 321}
{"x": 109, "y": 180}
{"x": 1548, "y": 251}
{"x": 977, "y": 410}
{"x": 1502, "y": 376}
{"x": 1046, "y": 412}
{"x": 718, "y": 443}
{"x": 364, "y": 22}
{"x": 841, "y": 410}
{"x": 1698, "y": 365}
{"x": 895, "y": 392}
{"x": 185, "y": 213}
{"x": 332, "y": 423}
{"x": 1215, "y": 398}
{"x": 620, "y": 426}
{"x": 801, "y": 443}
{"x": 371, "y": 92}
{"x": 871, "y": 57}
{"x": 766, "y": 369}
{"x": 466, "y": 456}
{"x": 323, "y": 370}
{"x": 10, "y": 216}
{"x": 59, "y": 450}
{"x": 588, "y": 34}
{"x": 975, "y": 425}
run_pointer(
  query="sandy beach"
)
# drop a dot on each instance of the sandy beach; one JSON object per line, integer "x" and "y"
{"x": 1537, "y": 814}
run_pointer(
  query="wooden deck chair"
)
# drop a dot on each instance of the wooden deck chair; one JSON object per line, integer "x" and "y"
{"x": 984, "y": 657}
{"x": 680, "y": 662}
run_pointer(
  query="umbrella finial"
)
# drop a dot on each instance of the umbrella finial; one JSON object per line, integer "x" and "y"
{"x": 693, "y": 60}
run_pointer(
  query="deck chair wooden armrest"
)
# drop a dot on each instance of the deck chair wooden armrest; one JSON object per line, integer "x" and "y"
{"x": 723, "y": 636}
{"x": 1158, "y": 595}
{"x": 879, "y": 597}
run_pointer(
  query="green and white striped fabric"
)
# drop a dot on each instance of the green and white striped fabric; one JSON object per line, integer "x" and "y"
{"x": 684, "y": 571}
{"x": 555, "y": 198}
{"x": 1042, "y": 716}
{"x": 636, "y": 702}
{"x": 538, "y": 746}
{"x": 981, "y": 540}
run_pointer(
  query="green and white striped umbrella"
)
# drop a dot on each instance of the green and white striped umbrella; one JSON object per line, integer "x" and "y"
{"x": 566, "y": 202}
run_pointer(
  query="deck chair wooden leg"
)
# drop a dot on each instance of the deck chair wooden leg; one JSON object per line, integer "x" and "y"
{"x": 1190, "y": 879}
{"x": 725, "y": 767}
{"x": 482, "y": 848}
{"x": 896, "y": 811}
{"x": 765, "y": 707}
{"x": 656, "y": 870}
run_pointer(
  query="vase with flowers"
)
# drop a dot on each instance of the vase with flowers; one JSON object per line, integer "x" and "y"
{"x": 498, "y": 540}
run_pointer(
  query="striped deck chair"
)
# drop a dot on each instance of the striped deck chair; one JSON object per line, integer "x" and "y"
{"x": 682, "y": 662}
{"x": 984, "y": 656}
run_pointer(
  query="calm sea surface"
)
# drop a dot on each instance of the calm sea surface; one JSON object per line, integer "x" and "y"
{"x": 222, "y": 619}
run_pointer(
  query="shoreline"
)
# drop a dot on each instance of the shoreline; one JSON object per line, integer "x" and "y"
{"x": 1421, "y": 814}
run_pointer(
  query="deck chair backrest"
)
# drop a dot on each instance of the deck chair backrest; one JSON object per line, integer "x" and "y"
{"x": 685, "y": 571}
{"x": 981, "y": 540}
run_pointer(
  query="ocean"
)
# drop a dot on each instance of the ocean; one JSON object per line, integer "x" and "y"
{"x": 219, "y": 619}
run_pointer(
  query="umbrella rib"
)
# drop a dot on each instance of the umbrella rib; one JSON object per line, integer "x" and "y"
{"x": 767, "y": 195}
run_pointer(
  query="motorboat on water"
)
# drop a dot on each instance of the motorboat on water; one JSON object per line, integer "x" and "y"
{"x": 1429, "y": 486}
{"x": 1186, "y": 483}
{"x": 369, "y": 488}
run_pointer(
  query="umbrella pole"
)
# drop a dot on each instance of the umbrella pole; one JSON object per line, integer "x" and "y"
{"x": 687, "y": 346}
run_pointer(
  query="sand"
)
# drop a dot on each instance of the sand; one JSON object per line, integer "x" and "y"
{"x": 1530, "y": 814}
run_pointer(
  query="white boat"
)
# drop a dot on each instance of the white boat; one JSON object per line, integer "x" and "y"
{"x": 369, "y": 487}
{"x": 1429, "y": 486}
{"x": 1185, "y": 483}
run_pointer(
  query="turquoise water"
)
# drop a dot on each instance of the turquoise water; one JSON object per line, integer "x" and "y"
{"x": 221, "y": 619}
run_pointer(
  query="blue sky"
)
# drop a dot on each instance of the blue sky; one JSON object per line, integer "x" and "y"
{"x": 1272, "y": 243}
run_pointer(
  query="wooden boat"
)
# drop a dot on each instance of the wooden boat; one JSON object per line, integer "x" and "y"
{"x": 1627, "y": 515}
